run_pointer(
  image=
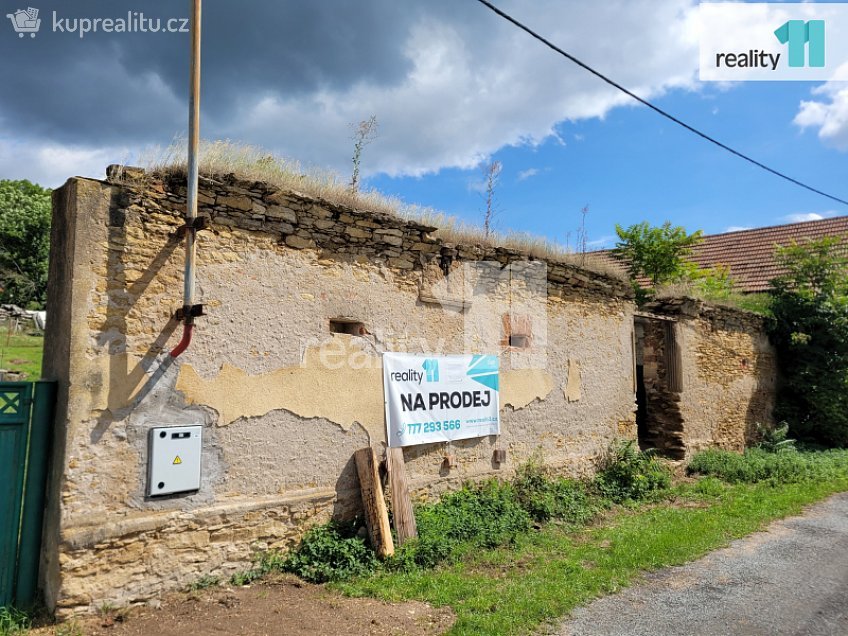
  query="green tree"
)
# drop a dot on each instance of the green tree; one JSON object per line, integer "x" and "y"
{"x": 810, "y": 306}
{"x": 655, "y": 253}
{"x": 24, "y": 242}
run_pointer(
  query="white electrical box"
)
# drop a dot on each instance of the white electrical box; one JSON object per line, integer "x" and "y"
{"x": 174, "y": 460}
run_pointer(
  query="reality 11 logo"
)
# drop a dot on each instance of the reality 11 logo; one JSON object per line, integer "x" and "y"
{"x": 431, "y": 368}
{"x": 798, "y": 34}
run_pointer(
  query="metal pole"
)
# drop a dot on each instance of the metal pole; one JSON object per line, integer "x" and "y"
{"x": 191, "y": 197}
{"x": 193, "y": 141}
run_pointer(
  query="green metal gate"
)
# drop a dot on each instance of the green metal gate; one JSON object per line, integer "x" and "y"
{"x": 26, "y": 418}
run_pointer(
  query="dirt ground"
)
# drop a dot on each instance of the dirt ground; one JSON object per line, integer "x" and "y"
{"x": 283, "y": 606}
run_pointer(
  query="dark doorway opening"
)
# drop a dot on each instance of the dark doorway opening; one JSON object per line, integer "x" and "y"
{"x": 658, "y": 373}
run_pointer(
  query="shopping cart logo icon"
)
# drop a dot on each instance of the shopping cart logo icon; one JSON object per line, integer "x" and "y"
{"x": 25, "y": 21}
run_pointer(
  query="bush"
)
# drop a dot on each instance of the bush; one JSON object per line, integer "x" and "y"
{"x": 810, "y": 332}
{"x": 756, "y": 465}
{"x": 330, "y": 552}
{"x": 775, "y": 440}
{"x": 627, "y": 473}
{"x": 479, "y": 515}
{"x": 484, "y": 515}
{"x": 545, "y": 498}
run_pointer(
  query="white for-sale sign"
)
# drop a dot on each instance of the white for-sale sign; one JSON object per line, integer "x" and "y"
{"x": 440, "y": 398}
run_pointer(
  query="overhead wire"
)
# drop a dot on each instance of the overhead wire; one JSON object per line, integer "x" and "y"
{"x": 654, "y": 107}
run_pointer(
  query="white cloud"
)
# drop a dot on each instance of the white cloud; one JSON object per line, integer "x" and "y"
{"x": 51, "y": 164}
{"x": 801, "y": 217}
{"x": 476, "y": 86}
{"x": 464, "y": 88}
{"x": 526, "y": 174}
{"x": 829, "y": 115}
{"x": 737, "y": 228}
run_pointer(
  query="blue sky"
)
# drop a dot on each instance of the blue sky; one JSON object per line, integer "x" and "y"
{"x": 452, "y": 86}
{"x": 634, "y": 165}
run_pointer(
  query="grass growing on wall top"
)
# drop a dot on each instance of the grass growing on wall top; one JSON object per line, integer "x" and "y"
{"x": 256, "y": 164}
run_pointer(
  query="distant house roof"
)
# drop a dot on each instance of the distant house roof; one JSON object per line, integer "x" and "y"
{"x": 750, "y": 253}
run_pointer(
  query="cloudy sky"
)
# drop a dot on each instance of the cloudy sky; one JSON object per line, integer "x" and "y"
{"x": 452, "y": 85}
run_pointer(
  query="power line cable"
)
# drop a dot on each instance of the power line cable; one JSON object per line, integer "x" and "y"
{"x": 656, "y": 109}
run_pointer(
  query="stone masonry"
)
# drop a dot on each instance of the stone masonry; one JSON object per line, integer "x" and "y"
{"x": 284, "y": 373}
{"x": 728, "y": 376}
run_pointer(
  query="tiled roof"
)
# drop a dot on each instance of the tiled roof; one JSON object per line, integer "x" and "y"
{"x": 750, "y": 253}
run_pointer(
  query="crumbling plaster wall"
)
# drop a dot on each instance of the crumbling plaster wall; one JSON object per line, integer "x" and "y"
{"x": 664, "y": 428}
{"x": 729, "y": 374}
{"x": 283, "y": 402}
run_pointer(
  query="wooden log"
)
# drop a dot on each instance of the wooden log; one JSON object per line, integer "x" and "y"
{"x": 403, "y": 516}
{"x": 376, "y": 515}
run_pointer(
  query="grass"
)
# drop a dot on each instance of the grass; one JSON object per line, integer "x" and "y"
{"x": 204, "y": 583}
{"x": 13, "y": 622}
{"x": 483, "y": 515}
{"x": 501, "y": 575}
{"x": 549, "y": 573}
{"x": 759, "y": 303}
{"x": 780, "y": 468}
{"x": 252, "y": 163}
{"x": 480, "y": 553}
{"x": 21, "y": 352}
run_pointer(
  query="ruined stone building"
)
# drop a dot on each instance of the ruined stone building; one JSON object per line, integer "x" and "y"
{"x": 284, "y": 374}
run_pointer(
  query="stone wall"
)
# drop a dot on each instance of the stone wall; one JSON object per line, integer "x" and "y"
{"x": 663, "y": 428}
{"x": 283, "y": 401}
{"x": 728, "y": 376}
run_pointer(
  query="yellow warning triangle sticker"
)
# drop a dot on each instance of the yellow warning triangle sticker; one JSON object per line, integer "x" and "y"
{"x": 177, "y": 460}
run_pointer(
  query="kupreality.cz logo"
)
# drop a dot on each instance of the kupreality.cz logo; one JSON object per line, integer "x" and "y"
{"x": 28, "y": 22}
{"x": 773, "y": 41}
{"x": 25, "y": 21}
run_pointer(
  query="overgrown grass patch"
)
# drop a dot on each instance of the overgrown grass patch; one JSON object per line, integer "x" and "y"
{"x": 478, "y": 516}
{"x": 552, "y": 571}
{"x": 485, "y": 515}
{"x": 21, "y": 352}
{"x": 508, "y": 556}
{"x": 627, "y": 474}
{"x": 757, "y": 465}
{"x": 546, "y": 498}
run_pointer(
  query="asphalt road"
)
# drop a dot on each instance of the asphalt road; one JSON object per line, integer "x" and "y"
{"x": 790, "y": 580}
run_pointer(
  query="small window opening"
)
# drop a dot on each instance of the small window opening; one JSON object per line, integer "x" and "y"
{"x": 517, "y": 332}
{"x": 348, "y": 326}
{"x": 519, "y": 341}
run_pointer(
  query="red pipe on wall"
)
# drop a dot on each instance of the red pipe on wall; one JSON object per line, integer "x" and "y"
{"x": 185, "y": 341}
